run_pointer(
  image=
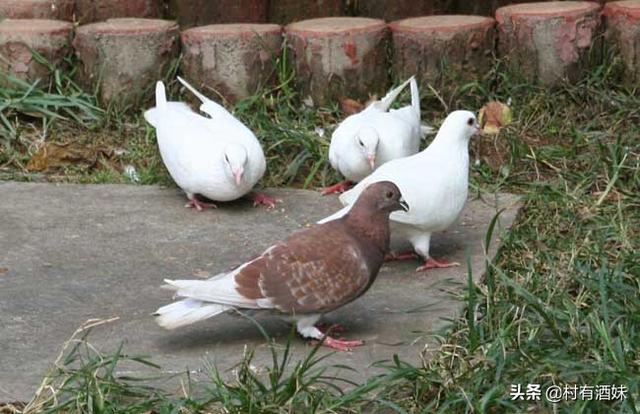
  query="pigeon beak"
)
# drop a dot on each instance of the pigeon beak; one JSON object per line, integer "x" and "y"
{"x": 403, "y": 204}
{"x": 478, "y": 129}
{"x": 372, "y": 161}
{"x": 238, "y": 175}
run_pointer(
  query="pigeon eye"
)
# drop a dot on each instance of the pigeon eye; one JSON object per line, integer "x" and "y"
{"x": 389, "y": 194}
{"x": 360, "y": 143}
{"x": 470, "y": 122}
{"x": 226, "y": 158}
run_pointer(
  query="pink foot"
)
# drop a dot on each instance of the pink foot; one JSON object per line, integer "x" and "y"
{"x": 341, "y": 344}
{"x": 199, "y": 205}
{"x": 265, "y": 200}
{"x": 337, "y": 188}
{"x": 432, "y": 263}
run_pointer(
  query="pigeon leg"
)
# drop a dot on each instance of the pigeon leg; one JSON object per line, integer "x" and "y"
{"x": 421, "y": 244}
{"x": 307, "y": 329}
{"x": 337, "y": 188}
{"x": 264, "y": 200}
{"x": 197, "y": 204}
{"x": 340, "y": 344}
{"x": 432, "y": 263}
{"x": 397, "y": 256}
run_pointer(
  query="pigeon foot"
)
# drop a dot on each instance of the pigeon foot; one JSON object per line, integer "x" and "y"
{"x": 199, "y": 205}
{"x": 432, "y": 263}
{"x": 341, "y": 344}
{"x": 337, "y": 188}
{"x": 406, "y": 255}
{"x": 261, "y": 199}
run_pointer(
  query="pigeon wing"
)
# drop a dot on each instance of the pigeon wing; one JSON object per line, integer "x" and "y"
{"x": 315, "y": 270}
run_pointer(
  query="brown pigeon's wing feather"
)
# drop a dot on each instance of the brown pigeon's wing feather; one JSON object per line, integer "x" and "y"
{"x": 315, "y": 270}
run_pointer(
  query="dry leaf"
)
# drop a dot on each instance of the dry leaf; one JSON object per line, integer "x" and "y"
{"x": 350, "y": 106}
{"x": 55, "y": 155}
{"x": 3, "y": 271}
{"x": 494, "y": 116}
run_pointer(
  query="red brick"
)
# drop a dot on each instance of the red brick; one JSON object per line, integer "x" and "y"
{"x": 622, "y": 21}
{"x": 126, "y": 56}
{"x": 191, "y": 13}
{"x": 36, "y": 9}
{"x": 287, "y": 11}
{"x": 88, "y": 11}
{"x": 233, "y": 59}
{"x": 442, "y": 50}
{"x": 50, "y": 38}
{"x": 548, "y": 41}
{"x": 338, "y": 57}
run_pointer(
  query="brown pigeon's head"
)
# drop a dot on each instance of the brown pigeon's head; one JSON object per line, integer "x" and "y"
{"x": 383, "y": 196}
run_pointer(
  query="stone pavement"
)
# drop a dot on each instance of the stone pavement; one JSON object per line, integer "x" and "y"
{"x": 69, "y": 253}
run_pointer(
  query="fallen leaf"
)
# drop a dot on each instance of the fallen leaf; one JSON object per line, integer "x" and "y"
{"x": 56, "y": 155}
{"x": 308, "y": 101}
{"x": 350, "y": 106}
{"x": 131, "y": 173}
{"x": 3, "y": 271}
{"x": 494, "y": 116}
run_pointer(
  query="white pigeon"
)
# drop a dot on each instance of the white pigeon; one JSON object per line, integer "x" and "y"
{"x": 217, "y": 157}
{"x": 433, "y": 182}
{"x": 368, "y": 139}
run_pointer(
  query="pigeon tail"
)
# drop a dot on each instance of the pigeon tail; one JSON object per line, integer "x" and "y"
{"x": 415, "y": 96}
{"x": 220, "y": 289}
{"x": 186, "y": 312}
{"x": 208, "y": 106}
{"x": 385, "y": 103}
{"x": 161, "y": 95}
{"x": 193, "y": 90}
{"x": 153, "y": 115}
{"x": 344, "y": 210}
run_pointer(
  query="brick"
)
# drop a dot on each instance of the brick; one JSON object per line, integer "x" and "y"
{"x": 191, "y": 13}
{"x": 50, "y": 38}
{"x": 233, "y": 59}
{"x": 548, "y": 41}
{"x": 337, "y": 57}
{"x": 37, "y": 9}
{"x": 287, "y": 11}
{"x": 622, "y": 21}
{"x": 443, "y": 50}
{"x": 125, "y": 56}
{"x": 88, "y": 11}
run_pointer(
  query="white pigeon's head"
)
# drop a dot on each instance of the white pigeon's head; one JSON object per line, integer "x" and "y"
{"x": 235, "y": 162}
{"x": 367, "y": 141}
{"x": 460, "y": 125}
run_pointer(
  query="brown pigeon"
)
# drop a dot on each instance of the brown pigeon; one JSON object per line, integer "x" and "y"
{"x": 313, "y": 271}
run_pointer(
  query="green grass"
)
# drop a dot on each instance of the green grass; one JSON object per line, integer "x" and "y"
{"x": 560, "y": 304}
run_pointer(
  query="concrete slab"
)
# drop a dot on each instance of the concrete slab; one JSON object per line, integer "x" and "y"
{"x": 74, "y": 252}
